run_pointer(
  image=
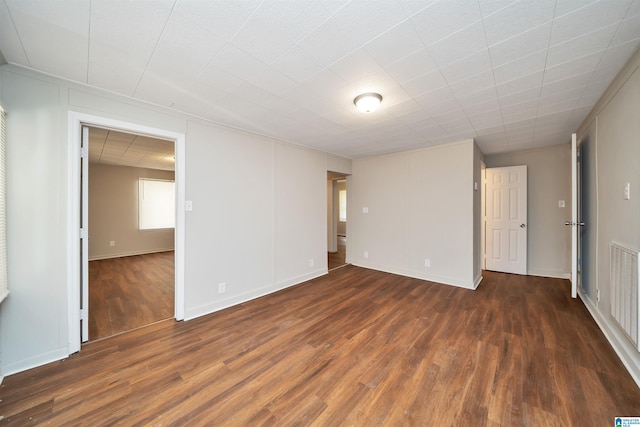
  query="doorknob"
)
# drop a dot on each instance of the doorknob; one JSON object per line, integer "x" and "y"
{"x": 568, "y": 223}
{"x": 522, "y": 226}
{"x": 581, "y": 224}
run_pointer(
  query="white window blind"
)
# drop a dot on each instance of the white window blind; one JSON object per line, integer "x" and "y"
{"x": 156, "y": 204}
{"x": 342, "y": 204}
{"x": 4, "y": 283}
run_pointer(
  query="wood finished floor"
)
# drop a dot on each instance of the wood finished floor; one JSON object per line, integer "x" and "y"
{"x": 129, "y": 292}
{"x": 338, "y": 258}
{"x": 355, "y": 347}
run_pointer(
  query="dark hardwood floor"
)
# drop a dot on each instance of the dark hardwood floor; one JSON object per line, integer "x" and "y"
{"x": 129, "y": 292}
{"x": 338, "y": 258}
{"x": 355, "y": 347}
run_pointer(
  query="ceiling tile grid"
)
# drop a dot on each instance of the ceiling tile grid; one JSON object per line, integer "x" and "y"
{"x": 513, "y": 74}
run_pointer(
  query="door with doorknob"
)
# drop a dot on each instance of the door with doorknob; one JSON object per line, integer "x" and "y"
{"x": 506, "y": 219}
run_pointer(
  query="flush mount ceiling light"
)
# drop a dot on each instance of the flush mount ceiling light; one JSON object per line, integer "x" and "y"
{"x": 367, "y": 102}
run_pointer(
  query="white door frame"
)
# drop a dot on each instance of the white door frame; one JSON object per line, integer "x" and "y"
{"x": 75, "y": 122}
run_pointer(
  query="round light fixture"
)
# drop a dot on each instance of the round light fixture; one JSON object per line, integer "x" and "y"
{"x": 367, "y": 102}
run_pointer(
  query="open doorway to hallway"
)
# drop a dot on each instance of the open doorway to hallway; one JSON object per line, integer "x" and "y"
{"x": 131, "y": 226}
{"x": 337, "y": 220}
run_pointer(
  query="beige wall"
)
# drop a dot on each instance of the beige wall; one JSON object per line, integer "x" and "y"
{"x": 113, "y": 213}
{"x": 420, "y": 206}
{"x": 258, "y": 218}
{"x": 549, "y": 180}
{"x": 611, "y": 158}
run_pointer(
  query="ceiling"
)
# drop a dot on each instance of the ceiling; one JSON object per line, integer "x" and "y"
{"x": 109, "y": 147}
{"x": 511, "y": 74}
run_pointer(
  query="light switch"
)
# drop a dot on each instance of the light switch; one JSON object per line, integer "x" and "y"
{"x": 365, "y": 210}
{"x": 188, "y": 206}
{"x": 561, "y": 203}
{"x": 627, "y": 191}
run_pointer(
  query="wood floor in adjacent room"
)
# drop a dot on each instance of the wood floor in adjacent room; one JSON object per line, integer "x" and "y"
{"x": 355, "y": 347}
{"x": 129, "y": 292}
{"x": 338, "y": 258}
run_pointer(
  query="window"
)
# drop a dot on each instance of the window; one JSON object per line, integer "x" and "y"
{"x": 342, "y": 204}
{"x": 4, "y": 282}
{"x": 156, "y": 204}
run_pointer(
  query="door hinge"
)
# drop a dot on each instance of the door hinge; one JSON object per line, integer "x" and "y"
{"x": 83, "y": 233}
{"x": 83, "y": 314}
{"x": 84, "y": 152}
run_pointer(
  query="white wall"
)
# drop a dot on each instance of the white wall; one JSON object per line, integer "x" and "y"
{"x": 245, "y": 189}
{"x": 609, "y": 138}
{"x": 549, "y": 181}
{"x": 421, "y": 206}
{"x": 113, "y": 213}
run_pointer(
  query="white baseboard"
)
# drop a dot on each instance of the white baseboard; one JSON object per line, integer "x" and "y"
{"x": 34, "y": 362}
{"x": 257, "y": 293}
{"x": 477, "y": 281}
{"x": 628, "y": 355}
{"x": 547, "y": 273}
{"x": 418, "y": 275}
{"x": 133, "y": 253}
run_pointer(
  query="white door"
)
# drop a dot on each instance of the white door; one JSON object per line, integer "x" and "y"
{"x": 506, "y": 220}
{"x": 84, "y": 234}
{"x": 574, "y": 223}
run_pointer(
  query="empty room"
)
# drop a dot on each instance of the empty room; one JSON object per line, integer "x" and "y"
{"x": 266, "y": 212}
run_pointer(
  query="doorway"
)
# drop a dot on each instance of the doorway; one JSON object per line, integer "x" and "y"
{"x": 131, "y": 223}
{"x": 506, "y": 219}
{"x": 336, "y": 220}
{"x": 78, "y": 266}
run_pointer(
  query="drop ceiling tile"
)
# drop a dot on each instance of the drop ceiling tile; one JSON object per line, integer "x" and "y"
{"x": 437, "y": 96}
{"x": 521, "y": 67}
{"x": 591, "y": 17}
{"x": 44, "y": 27}
{"x": 412, "y": 66}
{"x": 578, "y": 47}
{"x": 516, "y": 116}
{"x": 365, "y": 20}
{"x": 444, "y": 18}
{"x": 261, "y": 41}
{"x": 618, "y": 55}
{"x": 328, "y": 43}
{"x": 463, "y": 43}
{"x": 559, "y": 86}
{"x": 183, "y": 51}
{"x": 628, "y": 30}
{"x": 517, "y": 18}
{"x": 297, "y": 64}
{"x": 356, "y": 66}
{"x": 490, "y": 7}
{"x": 478, "y": 98}
{"x": 332, "y": 6}
{"x": 467, "y": 67}
{"x": 521, "y": 84}
{"x": 425, "y": 83}
{"x": 486, "y": 119}
{"x": 517, "y": 98}
{"x": 228, "y": 16}
{"x": 272, "y": 80}
{"x": 572, "y": 68}
{"x": 521, "y": 45}
{"x": 399, "y": 42}
{"x": 238, "y": 63}
{"x": 118, "y": 56}
{"x": 478, "y": 82}
{"x": 404, "y": 108}
{"x": 10, "y": 44}
{"x": 292, "y": 18}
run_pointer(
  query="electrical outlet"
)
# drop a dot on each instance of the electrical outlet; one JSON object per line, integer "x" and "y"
{"x": 366, "y": 254}
{"x": 427, "y": 262}
{"x": 112, "y": 243}
{"x": 222, "y": 287}
{"x": 311, "y": 262}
